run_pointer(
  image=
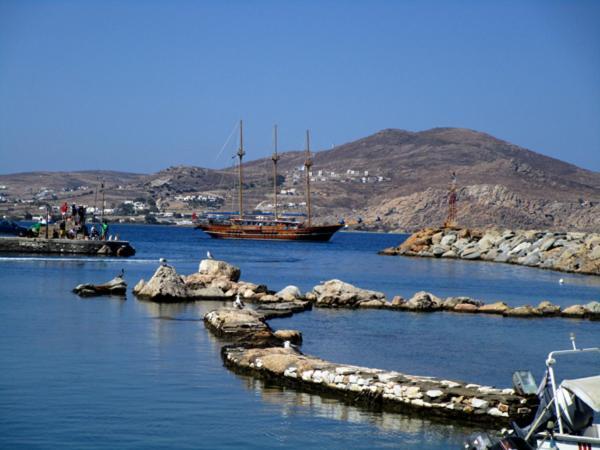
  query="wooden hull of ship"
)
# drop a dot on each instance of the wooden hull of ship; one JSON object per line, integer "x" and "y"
{"x": 317, "y": 233}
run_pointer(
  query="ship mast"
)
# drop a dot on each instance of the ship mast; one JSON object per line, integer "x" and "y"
{"x": 307, "y": 165}
{"x": 275, "y": 159}
{"x": 240, "y": 154}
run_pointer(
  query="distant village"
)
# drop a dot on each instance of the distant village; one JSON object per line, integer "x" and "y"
{"x": 166, "y": 208}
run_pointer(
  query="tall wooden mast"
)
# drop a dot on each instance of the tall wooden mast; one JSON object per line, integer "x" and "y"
{"x": 307, "y": 165}
{"x": 275, "y": 159}
{"x": 240, "y": 154}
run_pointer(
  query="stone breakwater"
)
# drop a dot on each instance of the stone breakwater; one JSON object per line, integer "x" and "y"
{"x": 218, "y": 280}
{"x": 568, "y": 252}
{"x": 257, "y": 351}
{"x": 380, "y": 389}
{"x": 215, "y": 280}
{"x": 248, "y": 327}
{"x": 338, "y": 294}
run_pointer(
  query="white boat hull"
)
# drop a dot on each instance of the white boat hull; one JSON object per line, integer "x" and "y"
{"x": 569, "y": 442}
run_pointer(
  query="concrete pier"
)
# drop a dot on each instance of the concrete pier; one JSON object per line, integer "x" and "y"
{"x": 65, "y": 246}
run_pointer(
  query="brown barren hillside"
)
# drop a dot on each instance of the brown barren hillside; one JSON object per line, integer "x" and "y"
{"x": 397, "y": 180}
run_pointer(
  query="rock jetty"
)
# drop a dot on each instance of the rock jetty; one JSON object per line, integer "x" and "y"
{"x": 339, "y": 294}
{"x": 116, "y": 286}
{"x": 380, "y": 389}
{"x": 217, "y": 280}
{"x": 256, "y": 350}
{"x": 576, "y": 252}
{"x": 241, "y": 326}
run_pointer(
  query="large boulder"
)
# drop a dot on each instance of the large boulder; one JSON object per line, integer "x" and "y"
{"x": 547, "y": 308}
{"x": 338, "y": 294}
{"x": 282, "y": 309}
{"x": 397, "y": 301}
{"x": 448, "y": 240}
{"x": 207, "y": 293}
{"x": 116, "y": 286}
{"x": 199, "y": 280}
{"x": 522, "y": 311}
{"x": 166, "y": 285}
{"x": 242, "y": 326}
{"x": 575, "y": 311}
{"x": 293, "y": 336}
{"x": 593, "y": 310}
{"x": 289, "y": 293}
{"x": 219, "y": 269}
{"x": 471, "y": 251}
{"x": 423, "y": 301}
{"x": 494, "y": 308}
{"x": 466, "y": 307}
{"x": 373, "y": 304}
{"x": 452, "y": 302}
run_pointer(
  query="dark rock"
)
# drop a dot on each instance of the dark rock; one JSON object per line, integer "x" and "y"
{"x": 116, "y": 286}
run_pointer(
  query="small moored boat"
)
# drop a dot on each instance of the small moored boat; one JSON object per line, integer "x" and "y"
{"x": 565, "y": 419}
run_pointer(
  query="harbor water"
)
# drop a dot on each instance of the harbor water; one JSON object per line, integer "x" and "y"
{"x": 106, "y": 373}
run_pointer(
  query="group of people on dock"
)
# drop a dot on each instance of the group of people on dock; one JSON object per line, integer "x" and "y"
{"x": 72, "y": 225}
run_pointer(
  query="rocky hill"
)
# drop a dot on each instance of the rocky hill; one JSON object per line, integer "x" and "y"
{"x": 408, "y": 174}
{"x": 392, "y": 180}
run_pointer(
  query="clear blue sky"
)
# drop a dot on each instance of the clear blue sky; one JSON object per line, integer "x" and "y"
{"x": 142, "y": 85}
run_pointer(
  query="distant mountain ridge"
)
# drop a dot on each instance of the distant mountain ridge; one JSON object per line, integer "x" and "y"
{"x": 398, "y": 180}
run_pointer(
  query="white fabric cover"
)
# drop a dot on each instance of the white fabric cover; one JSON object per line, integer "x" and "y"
{"x": 587, "y": 389}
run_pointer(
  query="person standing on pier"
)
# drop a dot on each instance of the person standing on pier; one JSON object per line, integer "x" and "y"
{"x": 63, "y": 210}
{"x": 104, "y": 234}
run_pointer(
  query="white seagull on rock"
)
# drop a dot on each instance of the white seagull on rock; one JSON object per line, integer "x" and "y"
{"x": 209, "y": 255}
{"x": 163, "y": 261}
{"x": 238, "y": 303}
{"x": 288, "y": 344}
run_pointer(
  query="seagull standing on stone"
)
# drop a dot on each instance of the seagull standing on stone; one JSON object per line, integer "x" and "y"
{"x": 163, "y": 261}
{"x": 209, "y": 255}
{"x": 122, "y": 274}
{"x": 288, "y": 344}
{"x": 238, "y": 303}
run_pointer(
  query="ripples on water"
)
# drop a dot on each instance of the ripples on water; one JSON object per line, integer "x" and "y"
{"x": 108, "y": 373}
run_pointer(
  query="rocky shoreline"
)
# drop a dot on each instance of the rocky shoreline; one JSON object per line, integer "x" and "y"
{"x": 575, "y": 252}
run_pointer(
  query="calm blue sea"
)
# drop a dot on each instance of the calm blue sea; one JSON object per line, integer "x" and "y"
{"x": 105, "y": 373}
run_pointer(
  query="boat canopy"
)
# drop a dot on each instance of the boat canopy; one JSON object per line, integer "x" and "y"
{"x": 586, "y": 389}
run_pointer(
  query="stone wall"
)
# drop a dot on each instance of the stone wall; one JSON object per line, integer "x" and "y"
{"x": 383, "y": 390}
{"x": 568, "y": 252}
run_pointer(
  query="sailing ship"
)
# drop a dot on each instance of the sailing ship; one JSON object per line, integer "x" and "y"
{"x": 262, "y": 226}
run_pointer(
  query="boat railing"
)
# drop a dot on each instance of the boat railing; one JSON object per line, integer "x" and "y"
{"x": 551, "y": 361}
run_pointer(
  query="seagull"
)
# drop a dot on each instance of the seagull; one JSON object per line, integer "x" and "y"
{"x": 288, "y": 344}
{"x": 163, "y": 261}
{"x": 238, "y": 303}
{"x": 209, "y": 255}
{"x": 561, "y": 281}
{"x": 122, "y": 274}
